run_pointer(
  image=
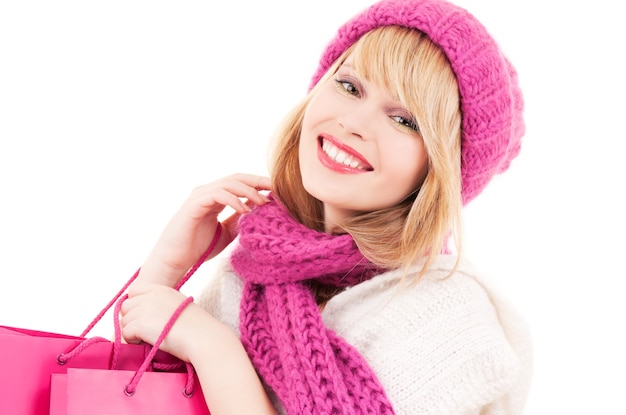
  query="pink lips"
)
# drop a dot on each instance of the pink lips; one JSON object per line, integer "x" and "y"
{"x": 340, "y": 167}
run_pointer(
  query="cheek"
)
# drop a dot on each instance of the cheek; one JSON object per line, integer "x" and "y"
{"x": 307, "y": 139}
{"x": 306, "y": 120}
{"x": 320, "y": 107}
{"x": 310, "y": 120}
{"x": 421, "y": 166}
{"x": 410, "y": 163}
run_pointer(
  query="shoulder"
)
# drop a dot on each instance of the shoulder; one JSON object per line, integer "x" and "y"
{"x": 440, "y": 293}
{"x": 441, "y": 345}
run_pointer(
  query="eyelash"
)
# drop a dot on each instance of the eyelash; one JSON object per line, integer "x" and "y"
{"x": 344, "y": 87}
{"x": 406, "y": 122}
{"x": 348, "y": 88}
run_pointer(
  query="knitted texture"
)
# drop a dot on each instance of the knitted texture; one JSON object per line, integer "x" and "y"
{"x": 310, "y": 368}
{"x": 491, "y": 101}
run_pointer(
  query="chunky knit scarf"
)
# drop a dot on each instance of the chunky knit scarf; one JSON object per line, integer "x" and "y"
{"x": 310, "y": 368}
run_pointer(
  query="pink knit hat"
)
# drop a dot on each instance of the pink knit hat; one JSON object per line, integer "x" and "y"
{"x": 491, "y": 100}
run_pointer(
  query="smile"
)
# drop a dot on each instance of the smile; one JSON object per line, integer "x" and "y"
{"x": 341, "y": 157}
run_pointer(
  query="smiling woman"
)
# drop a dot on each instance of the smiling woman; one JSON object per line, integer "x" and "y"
{"x": 422, "y": 99}
{"x": 112, "y": 112}
{"x": 431, "y": 120}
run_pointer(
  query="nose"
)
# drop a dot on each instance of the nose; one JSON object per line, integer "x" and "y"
{"x": 358, "y": 119}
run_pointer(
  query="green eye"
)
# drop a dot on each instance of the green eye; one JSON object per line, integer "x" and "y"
{"x": 347, "y": 87}
{"x": 406, "y": 122}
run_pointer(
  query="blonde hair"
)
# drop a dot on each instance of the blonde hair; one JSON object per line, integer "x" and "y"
{"x": 412, "y": 68}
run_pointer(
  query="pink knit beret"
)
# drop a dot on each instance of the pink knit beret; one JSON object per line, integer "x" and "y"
{"x": 491, "y": 101}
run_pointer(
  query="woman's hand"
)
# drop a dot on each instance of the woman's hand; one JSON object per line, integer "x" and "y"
{"x": 219, "y": 359}
{"x": 145, "y": 314}
{"x": 189, "y": 233}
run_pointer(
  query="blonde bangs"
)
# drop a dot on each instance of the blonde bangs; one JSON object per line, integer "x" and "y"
{"x": 410, "y": 67}
{"x": 382, "y": 57}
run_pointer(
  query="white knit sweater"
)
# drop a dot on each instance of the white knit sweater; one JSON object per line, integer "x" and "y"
{"x": 446, "y": 345}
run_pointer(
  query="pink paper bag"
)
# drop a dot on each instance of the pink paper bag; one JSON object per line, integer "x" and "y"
{"x": 29, "y": 357}
{"x": 30, "y": 367}
{"x": 100, "y": 392}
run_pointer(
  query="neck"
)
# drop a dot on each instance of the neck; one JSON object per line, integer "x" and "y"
{"x": 334, "y": 218}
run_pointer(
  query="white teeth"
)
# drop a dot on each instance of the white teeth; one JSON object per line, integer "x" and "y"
{"x": 340, "y": 156}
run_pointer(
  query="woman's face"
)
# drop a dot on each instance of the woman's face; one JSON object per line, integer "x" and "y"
{"x": 359, "y": 149}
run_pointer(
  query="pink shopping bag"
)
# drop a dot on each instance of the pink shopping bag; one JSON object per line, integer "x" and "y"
{"x": 32, "y": 361}
{"x": 29, "y": 357}
{"x": 120, "y": 392}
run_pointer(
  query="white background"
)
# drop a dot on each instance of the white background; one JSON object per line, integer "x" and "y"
{"x": 111, "y": 112}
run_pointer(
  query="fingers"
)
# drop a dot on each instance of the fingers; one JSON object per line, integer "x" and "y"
{"x": 251, "y": 191}
{"x": 262, "y": 183}
{"x": 238, "y": 191}
{"x": 255, "y": 181}
{"x": 143, "y": 316}
{"x": 248, "y": 186}
{"x": 126, "y": 317}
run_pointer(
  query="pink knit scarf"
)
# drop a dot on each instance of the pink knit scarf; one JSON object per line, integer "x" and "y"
{"x": 310, "y": 368}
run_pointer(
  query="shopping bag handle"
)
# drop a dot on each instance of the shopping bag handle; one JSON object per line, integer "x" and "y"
{"x": 188, "y": 275}
{"x": 117, "y": 344}
{"x": 130, "y": 388}
{"x": 118, "y": 299}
